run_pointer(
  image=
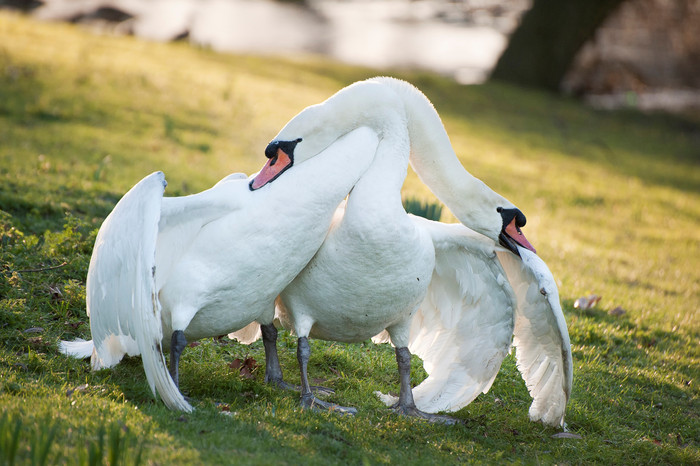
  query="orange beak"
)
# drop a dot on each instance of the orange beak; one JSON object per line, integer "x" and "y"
{"x": 274, "y": 167}
{"x": 514, "y": 233}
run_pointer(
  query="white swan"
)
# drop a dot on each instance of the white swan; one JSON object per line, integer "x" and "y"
{"x": 168, "y": 270}
{"x": 437, "y": 289}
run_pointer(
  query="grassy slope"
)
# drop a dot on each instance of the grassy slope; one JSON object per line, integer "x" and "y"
{"x": 612, "y": 201}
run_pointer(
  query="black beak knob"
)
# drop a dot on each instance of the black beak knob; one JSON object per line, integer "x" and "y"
{"x": 509, "y": 214}
{"x": 286, "y": 146}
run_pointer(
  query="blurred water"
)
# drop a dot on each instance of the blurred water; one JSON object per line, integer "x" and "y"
{"x": 462, "y": 39}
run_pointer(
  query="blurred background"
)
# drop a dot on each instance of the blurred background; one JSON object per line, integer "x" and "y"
{"x": 643, "y": 54}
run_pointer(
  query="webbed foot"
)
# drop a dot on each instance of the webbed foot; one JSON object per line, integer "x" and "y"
{"x": 412, "y": 411}
{"x": 311, "y": 402}
{"x": 316, "y": 389}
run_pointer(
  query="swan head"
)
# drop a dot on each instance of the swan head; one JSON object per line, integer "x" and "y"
{"x": 317, "y": 127}
{"x": 280, "y": 158}
{"x": 511, "y": 235}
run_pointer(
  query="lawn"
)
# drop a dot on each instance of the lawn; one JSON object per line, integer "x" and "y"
{"x": 613, "y": 206}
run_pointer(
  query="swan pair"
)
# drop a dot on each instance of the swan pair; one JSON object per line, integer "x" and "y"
{"x": 456, "y": 296}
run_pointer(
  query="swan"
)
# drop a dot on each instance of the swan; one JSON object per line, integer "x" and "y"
{"x": 165, "y": 271}
{"x": 441, "y": 291}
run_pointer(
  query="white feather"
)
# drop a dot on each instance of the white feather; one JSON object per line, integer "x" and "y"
{"x": 210, "y": 263}
{"x": 122, "y": 299}
{"x": 358, "y": 282}
{"x": 541, "y": 338}
{"x": 463, "y": 329}
{"x": 78, "y": 348}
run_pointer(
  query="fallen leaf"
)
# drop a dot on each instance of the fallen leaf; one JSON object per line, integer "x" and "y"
{"x": 193, "y": 344}
{"x": 223, "y": 407}
{"x": 567, "y": 435}
{"x": 244, "y": 368}
{"x": 617, "y": 312}
{"x": 586, "y": 302}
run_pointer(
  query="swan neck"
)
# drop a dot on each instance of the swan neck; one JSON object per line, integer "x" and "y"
{"x": 437, "y": 165}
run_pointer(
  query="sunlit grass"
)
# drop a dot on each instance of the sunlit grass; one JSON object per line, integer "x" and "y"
{"x": 613, "y": 206}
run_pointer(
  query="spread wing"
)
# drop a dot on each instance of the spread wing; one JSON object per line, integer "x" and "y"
{"x": 122, "y": 300}
{"x": 463, "y": 329}
{"x": 541, "y": 338}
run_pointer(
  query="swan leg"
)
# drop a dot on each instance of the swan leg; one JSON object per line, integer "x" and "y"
{"x": 406, "y": 405}
{"x": 308, "y": 399}
{"x": 273, "y": 370}
{"x": 177, "y": 344}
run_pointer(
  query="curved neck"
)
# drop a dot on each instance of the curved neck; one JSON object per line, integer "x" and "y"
{"x": 436, "y": 164}
{"x": 379, "y": 188}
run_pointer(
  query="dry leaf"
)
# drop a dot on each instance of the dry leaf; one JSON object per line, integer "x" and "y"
{"x": 245, "y": 368}
{"x": 586, "y": 302}
{"x": 617, "y": 312}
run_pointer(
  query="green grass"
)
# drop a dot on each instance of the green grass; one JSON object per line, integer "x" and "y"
{"x": 613, "y": 205}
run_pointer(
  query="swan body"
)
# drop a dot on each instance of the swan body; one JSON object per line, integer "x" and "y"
{"x": 377, "y": 267}
{"x": 371, "y": 246}
{"x": 210, "y": 263}
{"x": 481, "y": 298}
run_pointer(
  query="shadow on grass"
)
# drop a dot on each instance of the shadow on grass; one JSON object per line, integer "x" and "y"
{"x": 35, "y": 208}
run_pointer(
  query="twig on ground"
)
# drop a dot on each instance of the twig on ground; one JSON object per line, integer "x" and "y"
{"x": 43, "y": 269}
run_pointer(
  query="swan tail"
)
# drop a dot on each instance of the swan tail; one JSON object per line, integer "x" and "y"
{"x": 79, "y": 348}
{"x": 248, "y": 334}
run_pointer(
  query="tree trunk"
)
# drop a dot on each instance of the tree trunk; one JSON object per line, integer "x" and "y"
{"x": 545, "y": 44}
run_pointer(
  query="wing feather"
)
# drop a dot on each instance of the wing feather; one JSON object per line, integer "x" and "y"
{"x": 464, "y": 327}
{"x": 122, "y": 298}
{"x": 541, "y": 338}
{"x": 182, "y": 218}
